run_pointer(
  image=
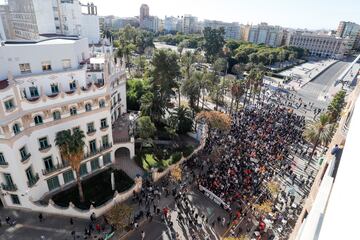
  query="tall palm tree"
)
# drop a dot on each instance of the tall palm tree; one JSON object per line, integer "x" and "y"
{"x": 71, "y": 146}
{"x": 181, "y": 119}
{"x": 318, "y": 132}
{"x": 237, "y": 90}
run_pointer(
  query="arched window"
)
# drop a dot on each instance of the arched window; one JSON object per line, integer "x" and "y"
{"x": 16, "y": 128}
{"x": 56, "y": 115}
{"x": 88, "y": 107}
{"x": 102, "y": 103}
{"x": 73, "y": 111}
{"x": 38, "y": 120}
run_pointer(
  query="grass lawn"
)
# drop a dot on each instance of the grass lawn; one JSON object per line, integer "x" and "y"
{"x": 97, "y": 190}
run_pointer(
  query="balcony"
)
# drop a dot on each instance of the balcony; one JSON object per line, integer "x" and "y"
{"x": 55, "y": 168}
{"x": 104, "y": 127}
{"x": 101, "y": 149}
{"x": 33, "y": 181}
{"x": 91, "y": 131}
{"x": 46, "y": 147}
{"x": 9, "y": 187}
{"x": 4, "y": 163}
{"x": 25, "y": 157}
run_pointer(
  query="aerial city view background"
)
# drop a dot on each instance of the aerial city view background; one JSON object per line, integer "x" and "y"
{"x": 179, "y": 120}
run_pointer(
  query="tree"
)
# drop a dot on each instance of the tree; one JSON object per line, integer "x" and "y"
{"x": 318, "y": 132}
{"x": 120, "y": 216}
{"x": 220, "y": 65}
{"x": 176, "y": 174}
{"x": 181, "y": 120}
{"x": 71, "y": 147}
{"x": 264, "y": 208}
{"x": 150, "y": 105}
{"x": 163, "y": 76}
{"x": 186, "y": 61}
{"x": 336, "y": 106}
{"x": 237, "y": 91}
{"x": 136, "y": 88}
{"x": 238, "y": 69}
{"x": 242, "y": 237}
{"x": 274, "y": 188}
{"x": 145, "y": 129}
{"x": 215, "y": 120}
{"x": 191, "y": 88}
{"x": 213, "y": 43}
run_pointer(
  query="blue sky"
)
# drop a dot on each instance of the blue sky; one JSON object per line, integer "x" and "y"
{"x": 311, "y": 14}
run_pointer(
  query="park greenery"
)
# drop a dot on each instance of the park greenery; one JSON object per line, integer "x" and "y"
{"x": 184, "y": 40}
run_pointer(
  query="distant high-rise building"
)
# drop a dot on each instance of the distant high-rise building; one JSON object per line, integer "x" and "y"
{"x": 151, "y": 23}
{"x": 190, "y": 24}
{"x": 263, "y": 34}
{"x": 232, "y": 30}
{"x": 320, "y": 45}
{"x": 144, "y": 12}
{"x": 170, "y": 24}
{"x": 350, "y": 30}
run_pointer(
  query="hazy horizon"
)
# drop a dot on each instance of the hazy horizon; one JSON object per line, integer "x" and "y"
{"x": 309, "y": 14}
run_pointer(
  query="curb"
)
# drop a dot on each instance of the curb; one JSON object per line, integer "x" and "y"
{"x": 313, "y": 78}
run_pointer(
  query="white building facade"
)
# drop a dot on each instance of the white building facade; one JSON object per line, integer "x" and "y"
{"x": 232, "y": 30}
{"x": 30, "y": 18}
{"x": 45, "y": 87}
{"x": 320, "y": 45}
{"x": 263, "y": 34}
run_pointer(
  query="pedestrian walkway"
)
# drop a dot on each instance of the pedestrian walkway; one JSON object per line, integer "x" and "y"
{"x": 125, "y": 163}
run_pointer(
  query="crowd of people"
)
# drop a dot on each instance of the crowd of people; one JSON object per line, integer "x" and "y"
{"x": 256, "y": 147}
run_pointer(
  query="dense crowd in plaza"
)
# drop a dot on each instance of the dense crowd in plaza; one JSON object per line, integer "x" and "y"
{"x": 253, "y": 151}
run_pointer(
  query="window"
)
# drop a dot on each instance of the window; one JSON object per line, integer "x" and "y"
{"x": 33, "y": 92}
{"x": 48, "y": 163}
{"x": 15, "y": 199}
{"x": 46, "y": 65}
{"x": 53, "y": 183}
{"x": 2, "y": 159}
{"x": 103, "y": 123}
{"x": 88, "y": 107}
{"x": 16, "y": 128}
{"x": 105, "y": 140}
{"x": 73, "y": 111}
{"x": 54, "y": 88}
{"x": 94, "y": 164}
{"x": 25, "y": 68}
{"x": 38, "y": 120}
{"x": 8, "y": 179}
{"x": 56, "y": 115}
{"x": 9, "y": 105}
{"x": 66, "y": 63}
{"x": 29, "y": 174}
{"x": 92, "y": 145}
{"x": 68, "y": 176}
{"x": 23, "y": 153}
{"x": 90, "y": 127}
{"x": 72, "y": 86}
{"x": 83, "y": 169}
{"x": 102, "y": 103}
{"x": 43, "y": 142}
{"x": 107, "y": 158}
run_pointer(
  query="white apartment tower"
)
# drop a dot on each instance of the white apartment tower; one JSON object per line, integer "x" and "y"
{"x": 28, "y": 19}
{"x": 47, "y": 86}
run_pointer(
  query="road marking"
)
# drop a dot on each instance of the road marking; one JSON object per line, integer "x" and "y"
{"x": 18, "y": 226}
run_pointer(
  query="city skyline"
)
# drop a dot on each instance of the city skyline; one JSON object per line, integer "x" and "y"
{"x": 279, "y": 12}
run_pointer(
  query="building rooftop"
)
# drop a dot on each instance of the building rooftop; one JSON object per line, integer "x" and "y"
{"x": 44, "y": 41}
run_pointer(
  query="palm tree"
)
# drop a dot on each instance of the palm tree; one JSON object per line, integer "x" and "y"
{"x": 318, "y": 132}
{"x": 71, "y": 146}
{"x": 181, "y": 120}
{"x": 237, "y": 90}
{"x": 191, "y": 88}
{"x": 186, "y": 61}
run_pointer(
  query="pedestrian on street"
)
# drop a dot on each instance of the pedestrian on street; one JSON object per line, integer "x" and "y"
{"x": 142, "y": 235}
{"x": 71, "y": 221}
{"x": 40, "y": 217}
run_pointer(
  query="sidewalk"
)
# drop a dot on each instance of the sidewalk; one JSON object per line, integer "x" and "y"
{"x": 306, "y": 72}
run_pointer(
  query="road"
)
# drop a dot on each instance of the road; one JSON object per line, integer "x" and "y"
{"x": 316, "y": 90}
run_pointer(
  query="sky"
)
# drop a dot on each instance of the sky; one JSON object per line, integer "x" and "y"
{"x": 310, "y": 14}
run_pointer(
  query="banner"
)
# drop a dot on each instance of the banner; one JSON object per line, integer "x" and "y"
{"x": 213, "y": 197}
